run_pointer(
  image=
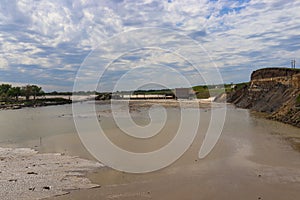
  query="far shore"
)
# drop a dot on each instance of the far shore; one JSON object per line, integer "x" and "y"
{"x": 46, "y": 100}
{"x": 52, "y": 100}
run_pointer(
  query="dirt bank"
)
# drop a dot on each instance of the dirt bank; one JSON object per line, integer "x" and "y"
{"x": 274, "y": 91}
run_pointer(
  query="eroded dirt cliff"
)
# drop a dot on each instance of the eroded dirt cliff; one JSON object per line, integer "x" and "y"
{"x": 275, "y": 91}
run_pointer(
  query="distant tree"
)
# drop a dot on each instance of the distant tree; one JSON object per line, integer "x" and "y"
{"x": 26, "y": 91}
{"x": 15, "y": 92}
{"x": 7, "y": 92}
{"x": 4, "y": 88}
{"x": 31, "y": 90}
{"x": 36, "y": 91}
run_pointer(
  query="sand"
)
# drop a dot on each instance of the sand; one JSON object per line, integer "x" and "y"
{"x": 25, "y": 174}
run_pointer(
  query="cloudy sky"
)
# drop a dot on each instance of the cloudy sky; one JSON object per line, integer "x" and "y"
{"x": 46, "y": 42}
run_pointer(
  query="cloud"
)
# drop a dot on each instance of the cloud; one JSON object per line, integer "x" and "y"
{"x": 46, "y": 41}
{"x": 3, "y": 64}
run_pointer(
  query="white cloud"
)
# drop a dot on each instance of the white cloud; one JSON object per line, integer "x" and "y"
{"x": 3, "y": 63}
{"x": 57, "y": 35}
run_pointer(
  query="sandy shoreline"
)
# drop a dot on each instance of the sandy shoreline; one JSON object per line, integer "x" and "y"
{"x": 26, "y": 174}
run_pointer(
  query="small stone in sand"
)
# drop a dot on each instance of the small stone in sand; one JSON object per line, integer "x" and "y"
{"x": 32, "y": 173}
{"x": 46, "y": 187}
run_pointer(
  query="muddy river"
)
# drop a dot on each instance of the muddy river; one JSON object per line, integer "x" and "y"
{"x": 251, "y": 160}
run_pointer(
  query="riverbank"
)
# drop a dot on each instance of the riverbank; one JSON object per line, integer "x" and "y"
{"x": 47, "y": 100}
{"x": 26, "y": 174}
{"x": 275, "y": 91}
{"x": 34, "y": 103}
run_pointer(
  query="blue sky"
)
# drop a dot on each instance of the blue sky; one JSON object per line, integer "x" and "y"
{"x": 45, "y": 42}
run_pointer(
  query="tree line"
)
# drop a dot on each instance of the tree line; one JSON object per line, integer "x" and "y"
{"x": 8, "y": 92}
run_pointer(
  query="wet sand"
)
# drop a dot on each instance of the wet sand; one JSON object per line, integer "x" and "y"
{"x": 248, "y": 162}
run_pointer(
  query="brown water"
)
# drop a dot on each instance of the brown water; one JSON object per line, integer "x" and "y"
{"x": 250, "y": 161}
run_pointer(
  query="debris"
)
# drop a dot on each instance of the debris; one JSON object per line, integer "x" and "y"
{"x": 32, "y": 173}
{"x": 46, "y": 187}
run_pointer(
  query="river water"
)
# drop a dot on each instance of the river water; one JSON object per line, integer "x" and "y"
{"x": 251, "y": 160}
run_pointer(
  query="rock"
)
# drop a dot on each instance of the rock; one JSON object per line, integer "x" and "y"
{"x": 46, "y": 187}
{"x": 32, "y": 173}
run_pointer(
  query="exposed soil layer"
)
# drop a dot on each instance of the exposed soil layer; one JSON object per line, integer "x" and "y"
{"x": 274, "y": 91}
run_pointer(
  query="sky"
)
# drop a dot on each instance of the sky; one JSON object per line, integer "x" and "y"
{"x": 135, "y": 42}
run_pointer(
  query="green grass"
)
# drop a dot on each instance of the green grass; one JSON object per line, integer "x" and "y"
{"x": 203, "y": 92}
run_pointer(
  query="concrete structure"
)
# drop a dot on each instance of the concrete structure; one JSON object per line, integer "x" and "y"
{"x": 184, "y": 93}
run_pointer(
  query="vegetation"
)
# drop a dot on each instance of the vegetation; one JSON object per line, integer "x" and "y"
{"x": 55, "y": 93}
{"x": 203, "y": 92}
{"x": 241, "y": 85}
{"x": 10, "y": 97}
{"x": 46, "y": 102}
{"x": 15, "y": 92}
{"x": 9, "y": 93}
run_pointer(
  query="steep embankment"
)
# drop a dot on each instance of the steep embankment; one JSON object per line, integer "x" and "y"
{"x": 274, "y": 91}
